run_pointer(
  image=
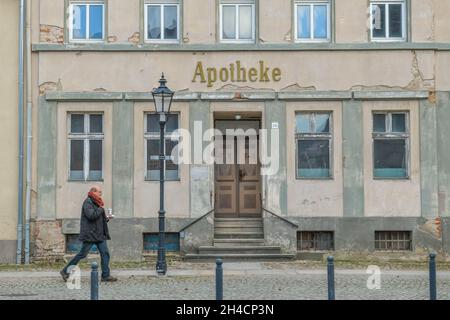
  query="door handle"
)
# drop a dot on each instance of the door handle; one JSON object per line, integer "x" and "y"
{"x": 241, "y": 173}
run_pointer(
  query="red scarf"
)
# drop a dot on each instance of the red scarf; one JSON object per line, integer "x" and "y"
{"x": 98, "y": 200}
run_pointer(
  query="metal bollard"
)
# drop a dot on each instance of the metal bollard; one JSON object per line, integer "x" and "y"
{"x": 94, "y": 281}
{"x": 432, "y": 267}
{"x": 330, "y": 271}
{"x": 219, "y": 279}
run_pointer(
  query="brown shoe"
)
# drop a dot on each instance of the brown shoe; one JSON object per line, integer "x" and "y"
{"x": 109, "y": 279}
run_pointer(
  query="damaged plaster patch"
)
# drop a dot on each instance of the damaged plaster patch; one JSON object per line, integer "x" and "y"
{"x": 51, "y": 34}
{"x": 297, "y": 87}
{"x": 288, "y": 35}
{"x": 100, "y": 90}
{"x": 418, "y": 81}
{"x": 50, "y": 86}
{"x": 374, "y": 88}
{"x": 232, "y": 87}
{"x": 432, "y": 227}
{"x": 135, "y": 38}
{"x": 112, "y": 39}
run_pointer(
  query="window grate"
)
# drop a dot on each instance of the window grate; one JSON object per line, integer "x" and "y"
{"x": 151, "y": 242}
{"x": 73, "y": 244}
{"x": 315, "y": 241}
{"x": 393, "y": 240}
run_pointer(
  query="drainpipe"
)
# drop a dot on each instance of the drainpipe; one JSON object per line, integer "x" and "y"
{"x": 29, "y": 135}
{"x": 20, "y": 191}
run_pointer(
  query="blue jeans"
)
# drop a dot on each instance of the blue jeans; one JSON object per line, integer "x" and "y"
{"x": 104, "y": 256}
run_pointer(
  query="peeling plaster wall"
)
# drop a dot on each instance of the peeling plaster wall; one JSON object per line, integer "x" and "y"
{"x": 51, "y": 12}
{"x": 195, "y": 30}
{"x": 351, "y": 21}
{"x": 275, "y": 25}
{"x": 9, "y": 24}
{"x": 423, "y": 20}
{"x": 322, "y": 70}
{"x": 442, "y": 22}
{"x": 123, "y": 19}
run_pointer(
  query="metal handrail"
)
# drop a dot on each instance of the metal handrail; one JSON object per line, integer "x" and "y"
{"x": 196, "y": 220}
{"x": 280, "y": 217}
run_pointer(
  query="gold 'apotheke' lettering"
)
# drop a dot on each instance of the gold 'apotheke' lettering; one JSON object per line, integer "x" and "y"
{"x": 235, "y": 72}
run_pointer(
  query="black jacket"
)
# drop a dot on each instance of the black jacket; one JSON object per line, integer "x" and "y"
{"x": 93, "y": 225}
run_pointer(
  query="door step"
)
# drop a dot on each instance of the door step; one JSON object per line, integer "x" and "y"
{"x": 238, "y": 257}
{"x": 238, "y": 235}
{"x": 238, "y": 242}
{"x": 247, "y": 249}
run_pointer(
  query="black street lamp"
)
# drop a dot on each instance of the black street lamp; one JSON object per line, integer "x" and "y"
{"x": 162, "y": 97}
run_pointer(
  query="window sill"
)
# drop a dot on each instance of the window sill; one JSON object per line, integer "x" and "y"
{"x": 315, "y": 179}
{"x": 222, "y": 41}
{"x": 387, "y": 40}
{"x": 85, "y": 181}
{"x": 306, "y": 41}
{"x": 391, "y": 178}
{"x": 172, "y": 180}
{"x": 147, "y": 41}
{"x": 86, "y": 41}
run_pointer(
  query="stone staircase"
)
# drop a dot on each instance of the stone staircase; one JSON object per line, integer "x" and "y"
{"x": 239, "y": 239}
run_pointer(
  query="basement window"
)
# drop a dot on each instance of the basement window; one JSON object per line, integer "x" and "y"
{"x": 315, "y": 241}
{"x": 172, "y": 242}
{"x": 73, "y": 245}
{"x": 393, "y": 240}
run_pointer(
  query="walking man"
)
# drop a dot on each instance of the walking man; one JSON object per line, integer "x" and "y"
{"x": 93, "y": 230}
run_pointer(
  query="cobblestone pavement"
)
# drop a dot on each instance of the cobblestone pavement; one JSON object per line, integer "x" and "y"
{"x": 251, "y": 281}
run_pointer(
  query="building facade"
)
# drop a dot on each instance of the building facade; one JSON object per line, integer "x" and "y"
{"x": 9, "y": 24}
{"x": 350, "y": 98}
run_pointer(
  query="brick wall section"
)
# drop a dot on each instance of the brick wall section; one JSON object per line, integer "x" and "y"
{"x": 51, "y": 34}
{"x": 49, "y": 242}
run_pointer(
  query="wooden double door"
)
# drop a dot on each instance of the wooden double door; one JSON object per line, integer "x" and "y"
{"x": 237, "y": 169}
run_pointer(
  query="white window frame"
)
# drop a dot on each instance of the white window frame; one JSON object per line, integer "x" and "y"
{"x": 162, "y": 5}
{"x": 236, "y": 4}
{"x": 311, "y": 4}
{"x": 315, "y": 136}
{"x": 404, "y": 21}
{"x": 87, "y": 4}
{"x": 86, "y": 136}
{"x": 389, "y": 135}
{"x": 156, "y": 136}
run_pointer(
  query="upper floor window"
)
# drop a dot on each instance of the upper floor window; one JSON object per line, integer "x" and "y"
{"x": 162, "y": 21}
{"x": 388, "y": 20}
{"x": 87, "y": 21}
{"x": 85, "y": 136}
{"x": 152, "y": 136}
{"x": 237, "y": 21}
{"x": 312, "y": 21}
{"x": 390, "y": 144}
{"x": 313, "y": 139}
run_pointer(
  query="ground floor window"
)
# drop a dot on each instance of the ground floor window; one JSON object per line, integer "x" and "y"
{"x": 171, "y": 139}
{"x": 390, "y": 144}
{"x": 85, "y": 139}
{"x": 313, "y": 142}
